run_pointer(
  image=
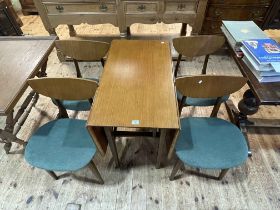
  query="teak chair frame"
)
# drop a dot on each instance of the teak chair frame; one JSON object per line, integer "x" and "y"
{"x": 194, "y": 46}
{"x": 83, "y": 50}
{"x": 205, "y": 86}
{"x": 66, "y": 89}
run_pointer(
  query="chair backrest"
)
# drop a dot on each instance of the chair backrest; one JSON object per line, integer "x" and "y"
{"x": 194, "y": 46}
{"x": 64, "y": 88}
{"x": 84, "y": 50}
{"x": 209, "y": 86}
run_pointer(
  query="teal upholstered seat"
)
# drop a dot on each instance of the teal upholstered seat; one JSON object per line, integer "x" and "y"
{"x": 210, "y": 143}
{"x": 200, "y": 101}
{"x": 60, "y": 145}
{"x": 83, "y": 105}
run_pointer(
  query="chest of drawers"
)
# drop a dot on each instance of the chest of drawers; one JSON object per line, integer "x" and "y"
{"x": 121, "y": 13}
{"x": 218, "y": 10}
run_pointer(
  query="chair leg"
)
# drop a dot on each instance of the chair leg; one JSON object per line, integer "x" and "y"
{"x": 95, "y": 171}
{"x": 78, "y": 72}
{"x": 215, "y": 110}
{"x": 177, "y": 65}
{"x": 178, "y": 165}
{"x": 222, "y": 174}
{"x": 182, "y": 104}
{"x": 62, "y": 113}
{"x": 52, "y": 174}
{"x": 205, "y": 64}
{"x": 102, "y": 62}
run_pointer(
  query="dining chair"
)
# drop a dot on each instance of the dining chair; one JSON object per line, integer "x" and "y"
{"x": 194, "y": 46}
{"x": 208, "y": 142}
{"x": 81, "y": 50}
{"x": 62, "y": 144}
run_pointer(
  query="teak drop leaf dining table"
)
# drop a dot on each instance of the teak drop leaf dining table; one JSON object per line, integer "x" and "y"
{"x": 136, "y": 91}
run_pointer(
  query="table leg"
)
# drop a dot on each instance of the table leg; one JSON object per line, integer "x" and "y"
{"x": 9, "y": 128}
{"x": 72, "y": 31}
{"x": 183, "y": 29}
{"x": 162, "y": 139}
{"x": 31, "y": 98}
{"x": 128, "y": 32}
{"x": 112, "y": 144}
{"x": 7, "y": 135}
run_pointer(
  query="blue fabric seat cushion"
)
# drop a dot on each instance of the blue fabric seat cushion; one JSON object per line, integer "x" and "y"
{"x": 60, "y": 145}
{"x": 210, "y": 143}
{"x": 83, "y": 105}
{"x": 200, "y": 101}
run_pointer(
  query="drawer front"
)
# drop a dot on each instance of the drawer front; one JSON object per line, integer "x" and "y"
{"x": 138, "y": 8}
{"x": 178, "y": 18}
{"x": 66, "y": 8}
{"x": 76, "y": 19}
{"x": 181, "y": 7}
{"x": 146, "y": 19}
{"x": 233, "y": 13}
{"x": 240, "y": 2}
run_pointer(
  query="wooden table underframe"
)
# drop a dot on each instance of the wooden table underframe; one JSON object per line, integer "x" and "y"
{"x": 136, "y": 91}
{"x": 36, "y": 67}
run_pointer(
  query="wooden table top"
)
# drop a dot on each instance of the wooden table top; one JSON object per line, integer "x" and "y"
{"x": 20, "y": 59}
{"x": 266, "y": 93}
{"x": 136, "y": 88}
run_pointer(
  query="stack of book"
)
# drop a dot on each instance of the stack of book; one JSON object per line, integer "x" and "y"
{"x": 262, "y": 56}
{"x": 260, "y": 53}
{"x": 238, "y": 31}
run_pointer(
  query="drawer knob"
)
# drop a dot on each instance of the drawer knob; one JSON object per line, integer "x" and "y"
{"x": 103, "y": 8}
{"x": 218, "y": 13}
{"x": 181, "y": 7}
{"x": 59, "y": 8}
{"x": 141, "y": 8}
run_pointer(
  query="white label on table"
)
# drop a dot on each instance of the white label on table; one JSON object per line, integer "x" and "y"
{"x": 135, "y": 122}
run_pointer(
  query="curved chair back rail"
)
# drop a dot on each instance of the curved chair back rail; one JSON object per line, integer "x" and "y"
{"x": 194, "y": 46}
{"x": 64, "y": 88}
{"x": 209, "y": 86}
{"x": 84, "y": 50}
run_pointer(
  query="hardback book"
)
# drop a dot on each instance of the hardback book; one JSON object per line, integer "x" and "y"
{"x": 265, "y": 51}
{"x": 254, "y": 62}
{"x": 244, "y": 30}
{"x": 230, "y": 39}
{"x": 262, "y": 77}
{"x": 267, "y": 73}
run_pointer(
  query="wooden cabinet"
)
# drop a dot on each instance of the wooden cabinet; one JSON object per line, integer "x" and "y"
{"x": 218, "y": 10}
{"x": 28, "y": 7}
{"x": 9, "y": 21}
{"x": 272, "y": 20}
{"x": 121, "y": 13}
